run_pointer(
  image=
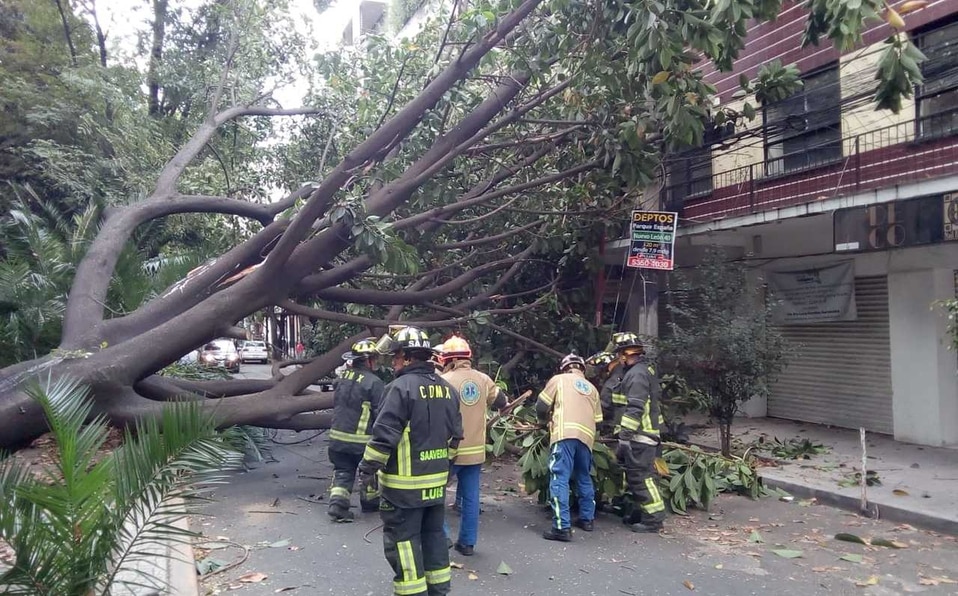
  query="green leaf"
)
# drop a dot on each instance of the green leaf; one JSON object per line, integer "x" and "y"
{"x": 787, "y": 553}
{"x": 845, "y": 537}
{"x": 504, "y": 569}
{"x": 851, "y": 558}
{"x": 280, "y": 544}
{"x": 755, "y": 537}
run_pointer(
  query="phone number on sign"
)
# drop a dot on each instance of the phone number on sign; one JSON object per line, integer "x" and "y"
{"x": 650, "y": 263}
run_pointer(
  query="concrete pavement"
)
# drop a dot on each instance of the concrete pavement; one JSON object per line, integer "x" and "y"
{"x": 299, "y": 550}
{"x": 919, "y": 485}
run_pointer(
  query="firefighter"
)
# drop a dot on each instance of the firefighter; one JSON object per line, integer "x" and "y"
{"x": 571, "y": 405}
{"x": 638, "y": 433}
{"x": 477, "y": 392}
{"x": 414, "y": 438}
{"x": 438, "y": 359}
{"x": 356, "y": 403}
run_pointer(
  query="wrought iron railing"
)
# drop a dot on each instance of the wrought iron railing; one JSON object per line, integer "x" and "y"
{"x": 875, "y": 159}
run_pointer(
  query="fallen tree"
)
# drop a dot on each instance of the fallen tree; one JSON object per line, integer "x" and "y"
{"x": 463, "y": 184}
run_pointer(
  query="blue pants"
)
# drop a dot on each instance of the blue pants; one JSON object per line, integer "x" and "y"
{"x": 570, "y": 459}
{"x": 467, "y": 497}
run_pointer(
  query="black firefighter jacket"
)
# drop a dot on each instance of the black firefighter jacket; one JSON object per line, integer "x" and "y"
{"x": 414, "y": 437}
{"x": 641, "y": 418}
{"x": 356, "y": 403}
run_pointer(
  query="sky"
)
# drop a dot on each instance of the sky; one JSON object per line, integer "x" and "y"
{"x": 123, "y": 19}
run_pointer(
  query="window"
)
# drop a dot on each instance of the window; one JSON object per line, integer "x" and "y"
{"x": 937, "y": 97}
{"x": 805, "y": 130}
{"x": 690, "y": 174}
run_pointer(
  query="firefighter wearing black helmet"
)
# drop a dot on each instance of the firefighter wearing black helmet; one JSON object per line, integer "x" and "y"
{"x": 407, "y": 458}
{"x": 637, "y": 428}
{"x": 356, "y": 403}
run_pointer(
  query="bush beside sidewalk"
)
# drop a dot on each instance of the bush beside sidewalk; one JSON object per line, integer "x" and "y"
{"x": 919, "y": 485}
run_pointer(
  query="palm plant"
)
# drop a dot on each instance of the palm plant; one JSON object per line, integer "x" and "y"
{"x": 92, "y": 523}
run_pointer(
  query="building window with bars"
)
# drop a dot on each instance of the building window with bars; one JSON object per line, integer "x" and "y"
{"x": 937, "y": 98}
{"x": 690, "y": 175}
{"x": 805, "y": 130}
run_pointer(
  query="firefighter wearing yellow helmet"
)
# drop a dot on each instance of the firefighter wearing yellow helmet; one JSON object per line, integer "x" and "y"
{"x": 571, "y": 405}
{"x": 413, "y": 439}
{"x": 637, "y": 428}
{"x": 356, "y": 403}
{"x": 477, "y": 392}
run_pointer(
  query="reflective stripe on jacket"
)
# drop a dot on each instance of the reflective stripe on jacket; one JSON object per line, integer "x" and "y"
{"x": 641, "y": 416}
{"x": 414, "y": 437}
{"x": 356, "y": 403}
{"x": 571, "y": 404}
{"x": 477, "y": 392}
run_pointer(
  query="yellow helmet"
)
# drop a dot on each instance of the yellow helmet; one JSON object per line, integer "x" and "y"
{"x": 456, "y": 347}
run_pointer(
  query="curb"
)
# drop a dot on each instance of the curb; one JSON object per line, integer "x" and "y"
{"x": 878, "y": 510}
{"x": 181, "y": 566}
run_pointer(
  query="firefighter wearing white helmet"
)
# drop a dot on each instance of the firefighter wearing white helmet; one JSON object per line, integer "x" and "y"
{"x": 571, "y": 405}
{"x": 637, "y": 427}
{"x": 356, "y": 403}
{"x": 477, "y": 392}
{"x": 414, "y": 438}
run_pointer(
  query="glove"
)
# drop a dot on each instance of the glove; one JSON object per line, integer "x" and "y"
{"x": 368, "y": 480}
{"x": 622, "y": 451}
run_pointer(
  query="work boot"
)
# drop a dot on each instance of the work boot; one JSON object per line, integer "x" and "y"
{"x": 340, "y": 512}
{"x": 558, "y": 535}
{"x": 585, "y": 525}
{"x": 647, "y": 527}
{"x": 466, "y": 551}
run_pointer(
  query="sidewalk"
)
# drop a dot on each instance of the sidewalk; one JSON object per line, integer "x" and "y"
{"x": 919, "y": 485}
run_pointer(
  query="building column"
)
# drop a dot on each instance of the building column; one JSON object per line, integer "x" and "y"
{"x": 924, "y": 371}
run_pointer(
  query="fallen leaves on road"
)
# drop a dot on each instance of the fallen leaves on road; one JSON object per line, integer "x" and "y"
{"x": 455, "y": 565}
{"x": 934, "y": 581}
{"x": 844, "y": 536}
{"x": 788, "y": 553}
{"x": 473, "y": 576}
{"x": 888, "y": 543}
{"x": 852, "y": 558}
{"x": 504, "y": 569}
{"x": 254, "y": 577}
{"x": 688, "y": 585}
{"x": 871, "y": 581}
{"x": 755, "y": 537}
{"x": 899, "y": 492}
{"x": 280, "y": 544}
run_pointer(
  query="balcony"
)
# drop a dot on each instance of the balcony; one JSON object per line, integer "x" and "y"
{"x": 880, "y": 158}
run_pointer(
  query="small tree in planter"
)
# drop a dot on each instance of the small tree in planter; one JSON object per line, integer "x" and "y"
{"x": 719, "y": 337}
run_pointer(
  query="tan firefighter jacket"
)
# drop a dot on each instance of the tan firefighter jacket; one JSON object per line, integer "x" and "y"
{"x": 571, "y": 404}
{"x": 477, "y": 392}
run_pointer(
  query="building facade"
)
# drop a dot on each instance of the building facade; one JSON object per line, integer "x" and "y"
{"x": 822, "y": 181}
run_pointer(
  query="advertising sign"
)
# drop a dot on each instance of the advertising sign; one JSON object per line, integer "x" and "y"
{"x": 652, "y": 242}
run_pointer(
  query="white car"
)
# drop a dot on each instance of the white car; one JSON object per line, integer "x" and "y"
{"x": 254, "y": 350}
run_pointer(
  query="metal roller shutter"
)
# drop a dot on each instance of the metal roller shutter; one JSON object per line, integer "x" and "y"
{"x": 841, "y": 374}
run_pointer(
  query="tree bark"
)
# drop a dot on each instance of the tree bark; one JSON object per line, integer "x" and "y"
{"x": 156, "y": 56}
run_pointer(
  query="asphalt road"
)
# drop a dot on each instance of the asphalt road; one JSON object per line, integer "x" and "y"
{"x": 269, "y": 510}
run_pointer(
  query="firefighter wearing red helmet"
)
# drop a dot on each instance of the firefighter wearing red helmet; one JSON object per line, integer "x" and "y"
{"x": 477, "y": 392}
{"x": 637, "y": 427}
{"x": 407, "y": 457}
{"x": 571, "y": 405}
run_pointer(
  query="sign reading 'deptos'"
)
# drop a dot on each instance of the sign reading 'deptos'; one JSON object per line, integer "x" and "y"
{"x": 652, "y": 243}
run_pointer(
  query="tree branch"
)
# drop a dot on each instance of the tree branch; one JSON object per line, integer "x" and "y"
{"x": 368, "y": 296}
{"x": 487, "y": 239}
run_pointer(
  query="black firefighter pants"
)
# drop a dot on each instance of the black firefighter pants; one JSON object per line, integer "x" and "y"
{"x": 345, "y": 462}
{"x": 642, "y": 480}
{"x": 415, "y": 545}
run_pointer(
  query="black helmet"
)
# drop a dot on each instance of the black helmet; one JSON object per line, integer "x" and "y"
{"x": 406, "y": 339}
{"x": 572, "y": 360}
{"x": 623, "y": 341}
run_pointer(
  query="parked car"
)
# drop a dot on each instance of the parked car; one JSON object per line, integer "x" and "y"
{"x": 221, "y": 353}
{"x": 254, "y": 350}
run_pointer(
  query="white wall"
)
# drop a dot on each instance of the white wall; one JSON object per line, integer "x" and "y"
{"x": 924, "y": 381}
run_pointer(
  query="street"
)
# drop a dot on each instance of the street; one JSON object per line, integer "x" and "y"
{"x": 741, "y": 547}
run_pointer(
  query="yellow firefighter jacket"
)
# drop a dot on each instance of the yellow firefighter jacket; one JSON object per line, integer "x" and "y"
{"x": 477, "y": 392}
{"x": 571, "y": 403}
